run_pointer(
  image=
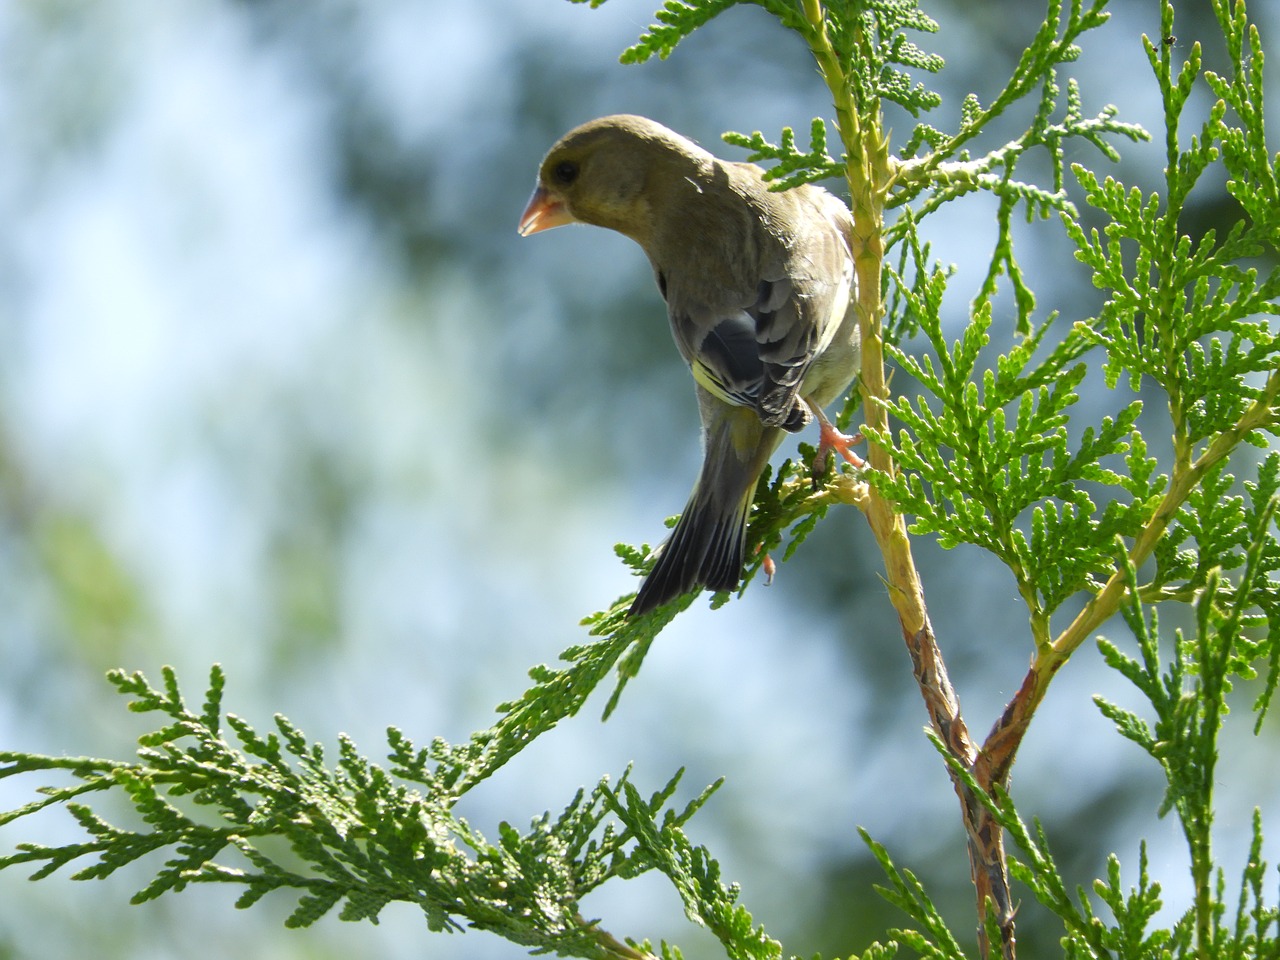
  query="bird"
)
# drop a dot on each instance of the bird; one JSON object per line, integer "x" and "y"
{"x": 760, "y": 292}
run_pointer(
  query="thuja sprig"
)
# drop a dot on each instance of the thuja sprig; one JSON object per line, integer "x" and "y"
{"x": 947, "y": 171}
{"x": 979, "y": 459}
{"x": 877, "y": 33}
{"x": 1055, "y": 43}
{"x": 791, "y": 167}
{"x": 875, "y": 36}
{"x": 360, "y": 837}
{"x": 708, "y": 900}
{"x": 931, "y": 937}
{"x": 1188, "y": 694}
{"x": 984, "y": 445}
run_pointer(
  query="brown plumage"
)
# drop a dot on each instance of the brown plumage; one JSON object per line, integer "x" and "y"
{"x": 759, "y": 290}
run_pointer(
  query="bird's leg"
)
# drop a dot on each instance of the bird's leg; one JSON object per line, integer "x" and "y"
{"x": 829, "y": 438}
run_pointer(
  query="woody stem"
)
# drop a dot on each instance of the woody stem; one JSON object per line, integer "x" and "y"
{"x": 870, "y": 174}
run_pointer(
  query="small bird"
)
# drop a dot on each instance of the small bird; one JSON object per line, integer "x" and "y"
{"x": 759, "y": 291}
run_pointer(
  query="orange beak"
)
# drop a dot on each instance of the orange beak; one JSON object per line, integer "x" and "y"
{"x": 545, "y": 210}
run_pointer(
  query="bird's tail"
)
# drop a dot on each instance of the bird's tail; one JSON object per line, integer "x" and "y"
{"x": 706, "y": 548}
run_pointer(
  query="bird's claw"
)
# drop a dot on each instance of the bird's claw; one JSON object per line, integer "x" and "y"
{"x": 832, "y": 440}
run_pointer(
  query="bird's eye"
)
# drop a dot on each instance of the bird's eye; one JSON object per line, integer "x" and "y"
{"x": 565, "y": 172}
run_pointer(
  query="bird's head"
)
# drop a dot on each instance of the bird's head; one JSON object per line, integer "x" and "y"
{"x": 606, "y": 173}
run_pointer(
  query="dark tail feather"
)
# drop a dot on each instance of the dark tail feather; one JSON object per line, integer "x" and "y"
{"x": 704, "y": 550}
{"x": 707, "y": 546}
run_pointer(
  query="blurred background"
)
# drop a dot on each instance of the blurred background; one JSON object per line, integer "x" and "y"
{"x": 280, "y": 388}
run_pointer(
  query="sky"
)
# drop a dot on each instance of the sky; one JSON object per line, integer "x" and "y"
{"x": 281, "y": 388}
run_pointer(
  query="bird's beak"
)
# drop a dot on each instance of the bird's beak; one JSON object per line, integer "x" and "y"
{"x": 545, "y": 210}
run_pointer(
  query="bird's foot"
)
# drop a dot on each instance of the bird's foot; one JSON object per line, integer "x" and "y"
{"x": 830, "y": 439}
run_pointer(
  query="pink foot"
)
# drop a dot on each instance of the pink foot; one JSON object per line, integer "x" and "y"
{"x": 829, "y": 438}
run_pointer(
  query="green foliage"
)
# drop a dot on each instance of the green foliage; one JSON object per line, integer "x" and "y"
{"x": 987, "y": 454}
{"x": 358, "y": 835}
{"x": 990, "y": 456}
{"x": 994, "y": 449}
{"x": 940, "y": 179}
{"x": 1189, "y": 699}
{"x": 694, "y": 874}
{"x": 933, "y": 939}
{"x": 1128, "y": 932}
{"x": 792, "y": 167}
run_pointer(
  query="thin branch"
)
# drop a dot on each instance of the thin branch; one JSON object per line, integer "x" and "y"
{"x": 870, "y": 174}
{"x": 1001, "y": 745}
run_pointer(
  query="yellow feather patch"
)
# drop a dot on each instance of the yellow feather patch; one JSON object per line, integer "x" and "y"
{"x": 708, "y": 380}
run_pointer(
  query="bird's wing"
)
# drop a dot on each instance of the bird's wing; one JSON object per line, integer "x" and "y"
{"x": 754, "y": 349}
